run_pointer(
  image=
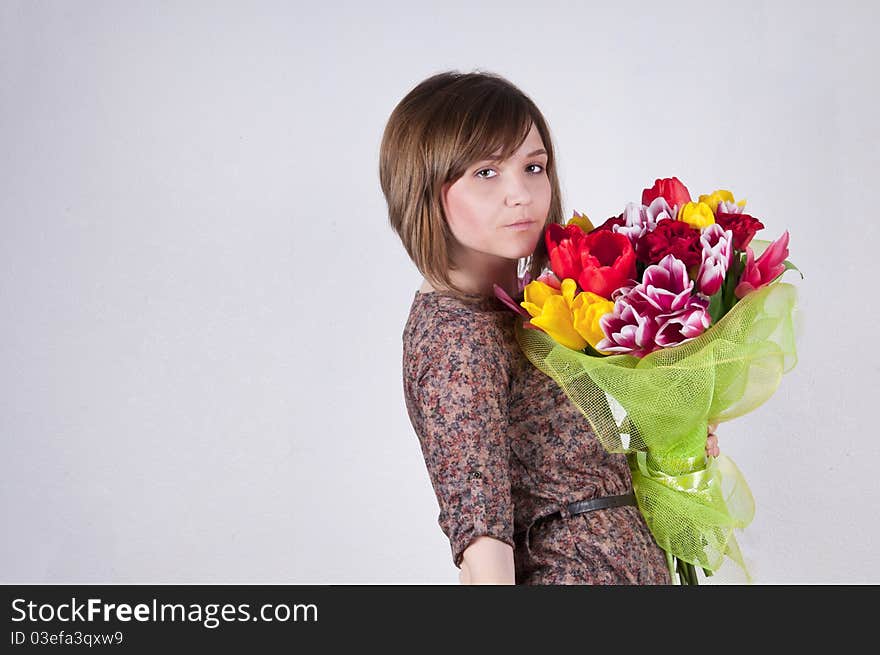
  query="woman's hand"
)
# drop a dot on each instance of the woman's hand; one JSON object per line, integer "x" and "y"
{"x": 712, "y": 449}
{"x": 487, "y": 561}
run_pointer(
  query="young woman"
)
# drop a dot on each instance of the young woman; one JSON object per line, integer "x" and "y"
{"x": 469, "y": 176}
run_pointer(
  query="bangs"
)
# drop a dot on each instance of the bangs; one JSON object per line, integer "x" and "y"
{"x": 494, "y": 130}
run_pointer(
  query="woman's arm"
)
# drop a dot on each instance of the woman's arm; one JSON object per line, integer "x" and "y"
{"x": 487, "y": 561}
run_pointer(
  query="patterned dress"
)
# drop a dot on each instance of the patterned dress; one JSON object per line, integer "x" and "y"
{"x": 504, "y": 447}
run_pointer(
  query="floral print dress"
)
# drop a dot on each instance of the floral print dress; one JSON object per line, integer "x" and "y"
{"x": 505, "y": 447}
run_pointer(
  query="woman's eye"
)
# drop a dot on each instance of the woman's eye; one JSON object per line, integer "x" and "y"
{"x": 478, "y": 173}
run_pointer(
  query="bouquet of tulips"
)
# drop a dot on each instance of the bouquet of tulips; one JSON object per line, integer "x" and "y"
{"x": 657, "y": 323}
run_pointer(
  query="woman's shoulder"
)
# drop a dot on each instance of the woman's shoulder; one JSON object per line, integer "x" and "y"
{"x": 438, "y": 315}
{"x": 440, "y": 326}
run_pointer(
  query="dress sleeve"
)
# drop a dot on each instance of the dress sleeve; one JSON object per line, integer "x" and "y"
{"x": 462, "y": 393}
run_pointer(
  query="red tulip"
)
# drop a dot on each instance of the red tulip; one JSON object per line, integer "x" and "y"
{"x": 670, "y": 237}
{"x": 608, "y": 262}
{"x": 610, "y": 222}
{"x": 563, "y": 245}
{"x": 743, "y": 226}
{"x": 671, "y": 188}
{"x": 599, "y": 261}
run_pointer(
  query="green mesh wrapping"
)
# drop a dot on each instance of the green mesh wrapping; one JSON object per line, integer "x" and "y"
{"x": 656, "y": 409}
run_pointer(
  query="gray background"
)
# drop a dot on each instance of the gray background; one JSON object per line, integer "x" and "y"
{"x": 200, "y": 350}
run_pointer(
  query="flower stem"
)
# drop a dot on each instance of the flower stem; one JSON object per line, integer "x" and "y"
{"x": 687, "y": 573}
{"x": 670, "y": 562}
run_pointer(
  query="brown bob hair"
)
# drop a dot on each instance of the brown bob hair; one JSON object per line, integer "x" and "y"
{"x": 442, "y": 126}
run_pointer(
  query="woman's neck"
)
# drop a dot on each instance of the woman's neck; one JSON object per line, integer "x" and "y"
{"x": 480, "y": 277}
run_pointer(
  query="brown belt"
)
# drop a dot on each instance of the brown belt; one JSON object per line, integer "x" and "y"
{"x": 582, "y": 506}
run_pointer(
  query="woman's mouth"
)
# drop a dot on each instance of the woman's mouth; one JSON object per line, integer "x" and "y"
{"x": 521, "y": 225}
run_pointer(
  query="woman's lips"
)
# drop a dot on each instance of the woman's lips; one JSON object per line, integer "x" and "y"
{"x": 522, "y": 225}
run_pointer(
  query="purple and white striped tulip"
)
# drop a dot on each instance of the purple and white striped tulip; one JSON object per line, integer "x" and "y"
{"x": 717, "y": 246}
{"x": 659, "y": 312}
{"x": 728, "y": 207}
{"x": 643, "y": 218}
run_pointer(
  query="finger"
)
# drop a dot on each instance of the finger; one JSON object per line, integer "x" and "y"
{"x": 712, "y": 448}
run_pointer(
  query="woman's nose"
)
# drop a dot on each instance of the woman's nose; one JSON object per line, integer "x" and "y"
{"x": 518, "y": 191}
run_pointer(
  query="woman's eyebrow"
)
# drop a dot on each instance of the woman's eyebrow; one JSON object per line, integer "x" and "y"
{"x": 539, "y": 151}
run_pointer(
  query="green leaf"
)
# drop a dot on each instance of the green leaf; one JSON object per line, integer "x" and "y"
{"x": 716, "y": 305}
{"x": 788, "y": 265}
{"x": 734, "y": 273}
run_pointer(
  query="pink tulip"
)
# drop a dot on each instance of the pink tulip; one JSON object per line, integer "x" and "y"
{"x": 549, "y": 278}
{"x": 767, "y": 268}
{"x": 728, "y": 207}
{"x": 503, "y": 296}
{"x": 717, "y": 245}
{"x": 659, "y": 312}
{"x": 639, "y": 219}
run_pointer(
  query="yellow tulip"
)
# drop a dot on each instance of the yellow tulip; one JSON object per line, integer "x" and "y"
{"x": 588, "y": 308}
{"x": 535, "y": 295}
{"x": 717, "y": 196}
{"x": 568, "y": 288}
{"x": 551, "y": 310}
{"x": 581, "y": 220}
{"x": 696, "y": 214}
{"x": 556, "y": 320}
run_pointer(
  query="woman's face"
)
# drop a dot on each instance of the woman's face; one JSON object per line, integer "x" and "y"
{"x": 483, "y": 203}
